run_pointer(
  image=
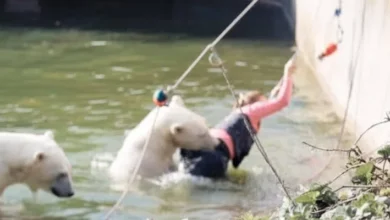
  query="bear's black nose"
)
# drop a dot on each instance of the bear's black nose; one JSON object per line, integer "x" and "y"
{"x": 55, "y": 191}
{"x": 70, "y": 194}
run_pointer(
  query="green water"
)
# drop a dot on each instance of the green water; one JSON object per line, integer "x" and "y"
{"x": 89, "y": 94}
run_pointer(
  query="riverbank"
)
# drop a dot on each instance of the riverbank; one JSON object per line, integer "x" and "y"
{"x": 366, "y": 196}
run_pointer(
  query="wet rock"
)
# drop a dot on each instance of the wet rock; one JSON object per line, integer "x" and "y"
{"x": 387, "y": 202}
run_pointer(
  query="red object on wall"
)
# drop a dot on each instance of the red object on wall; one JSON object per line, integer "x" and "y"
{"x": 329, "y": 50}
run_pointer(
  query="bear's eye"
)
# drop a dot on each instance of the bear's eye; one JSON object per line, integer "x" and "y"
{"x": 62, "y": 175}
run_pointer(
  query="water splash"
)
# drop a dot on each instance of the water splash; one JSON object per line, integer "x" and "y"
{"x": 102, "y": 161}
{"x": 260, "y": 186}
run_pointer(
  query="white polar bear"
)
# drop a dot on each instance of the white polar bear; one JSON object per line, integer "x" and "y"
{"x": 175, "y": 126}
{"x": 35, "y": 160}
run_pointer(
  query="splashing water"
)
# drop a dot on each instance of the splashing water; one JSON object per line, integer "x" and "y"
{"x": 259, "y": 184}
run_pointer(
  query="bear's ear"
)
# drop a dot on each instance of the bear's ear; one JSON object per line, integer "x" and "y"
{"x": 176, "y": 99}
{"x": 49, "y": 134}
{"x": 176, "y": 129}
{"x": 39, "y": 156}
{"x": 34, "y": 160}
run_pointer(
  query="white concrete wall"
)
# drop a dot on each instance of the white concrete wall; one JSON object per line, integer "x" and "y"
{"x": 366, "y": 23}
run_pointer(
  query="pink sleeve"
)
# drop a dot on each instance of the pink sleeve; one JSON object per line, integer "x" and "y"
{"x": 259, "y": 110}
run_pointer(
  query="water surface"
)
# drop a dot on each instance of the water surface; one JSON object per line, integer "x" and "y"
{"x": 89, "y": 87}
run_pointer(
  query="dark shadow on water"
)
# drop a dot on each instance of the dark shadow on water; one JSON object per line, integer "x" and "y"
{"x": 192, "y": 19}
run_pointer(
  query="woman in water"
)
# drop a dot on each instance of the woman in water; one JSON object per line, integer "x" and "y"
{"x": 235, "y": 139}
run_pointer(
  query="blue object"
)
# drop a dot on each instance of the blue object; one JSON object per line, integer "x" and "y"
{"x": 337, "y": 12}
{"x": 160, "y": 97}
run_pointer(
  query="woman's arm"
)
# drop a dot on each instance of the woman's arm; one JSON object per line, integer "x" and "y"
{"x": 275, "y": 89}
{"x": 262, "y": 109}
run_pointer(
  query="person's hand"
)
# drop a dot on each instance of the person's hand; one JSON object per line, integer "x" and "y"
{"x": 275, "y": 90}
{"x": 291, "y": 70}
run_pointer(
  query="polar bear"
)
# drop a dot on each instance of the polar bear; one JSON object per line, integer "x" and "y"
{"x": 174, "y": 127}
{"x": 35, "y": 160}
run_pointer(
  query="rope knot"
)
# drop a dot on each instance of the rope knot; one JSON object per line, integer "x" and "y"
{"x": 340, "y": 34}
{"x": 170, "y": 89}
{"x": 214, "y": 59}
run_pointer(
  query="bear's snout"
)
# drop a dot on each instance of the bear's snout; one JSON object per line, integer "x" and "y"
{"x": 57, "y": 193}
{"x": 62, "y": 187}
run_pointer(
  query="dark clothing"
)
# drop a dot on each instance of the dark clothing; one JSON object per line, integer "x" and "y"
{"x": 236, "y": 139}
{"x": 206, "y": 163}
{"x": 214, "y": 163}
{"x": 234, "y": 124}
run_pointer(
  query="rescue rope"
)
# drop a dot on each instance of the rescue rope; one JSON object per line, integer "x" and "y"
{"x": 379, "y": 38}
{"x": 160, "y": 98}
{"x": 332, "y": 47}
{"x": 211, "y": 45}
{"x": 352, "y": 71}
{"x": 138, "y": 165}
{"x": 216, "y": 61}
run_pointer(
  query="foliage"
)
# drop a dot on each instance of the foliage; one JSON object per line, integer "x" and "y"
{"x": 385, "y": 151}
{"x": 363, "y": 174}
{"x": 366, "y": 199}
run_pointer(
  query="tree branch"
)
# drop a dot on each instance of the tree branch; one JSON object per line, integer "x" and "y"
{"x": 339, "y": 203}
{"x": 362, "y": 187}
{"x": 342, "y": 173}
{"x": 324, "y": 149}
{"x": 334, "y": 179}
{"x": 371, "y": 127}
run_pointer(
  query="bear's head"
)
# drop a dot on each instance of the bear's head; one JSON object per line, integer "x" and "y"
{"x": 49, "y": 168}
{"x": 189, "y": 130}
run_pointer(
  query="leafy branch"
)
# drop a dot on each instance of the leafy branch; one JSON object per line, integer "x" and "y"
{"x": 368, "y": 179}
